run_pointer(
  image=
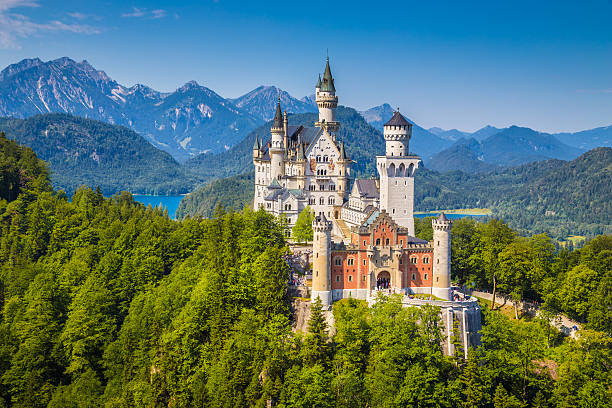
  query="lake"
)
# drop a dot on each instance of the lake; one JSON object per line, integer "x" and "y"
{"x": 169, "y": 202}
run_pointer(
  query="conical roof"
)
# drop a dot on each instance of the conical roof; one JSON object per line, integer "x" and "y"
{"x": 278, "y": 116}
{"x": 343, "y": 155}
{"x": 328, "y": 79}
{"x": 319, "y": 82}
{"x": 397, "y": 120}
{"x": 256, "y": 143}
{"x": 442, "y": 217}
{"x": 301, "y": 155}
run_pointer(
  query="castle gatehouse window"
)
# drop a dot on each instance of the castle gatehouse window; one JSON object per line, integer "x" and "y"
{"x": 414, "y": 276}
{"x": 425, "y": 259}
{"x": 337, "y": 278}
{"x": 338, "y": 261}
{"x": 350, "y": 278}
{"x": 413, "y": 260}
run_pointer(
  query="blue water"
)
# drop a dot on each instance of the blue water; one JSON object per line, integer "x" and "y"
{"x": 450, "y": 216}
{"x": 169, "y": 202}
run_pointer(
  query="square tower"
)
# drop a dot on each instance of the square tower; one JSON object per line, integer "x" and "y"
{"x": 396, "y": 172}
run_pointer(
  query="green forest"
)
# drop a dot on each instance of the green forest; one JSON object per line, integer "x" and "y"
{"x": 106, "y": 303}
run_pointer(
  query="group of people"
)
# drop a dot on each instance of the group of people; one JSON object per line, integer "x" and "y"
{"x": 383, "y": 283}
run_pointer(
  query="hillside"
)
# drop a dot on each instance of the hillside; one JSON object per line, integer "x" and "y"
{"x": 84, "y": 151}
{"x": 465, "y": 155}
{"x": 554, "y": 196}
{"x": 509, "y": 147}
{"x": 234, "y": 192}
{"x": 588, "y": 139}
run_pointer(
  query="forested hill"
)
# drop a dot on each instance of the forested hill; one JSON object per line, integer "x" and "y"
{"x": 106, "y": 303}
{"x": 362, "y": 141}
{"x": 553, "y": 196}
{"x": 88, "y": 152}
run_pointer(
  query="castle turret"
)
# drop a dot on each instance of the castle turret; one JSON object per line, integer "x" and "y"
{"x": 277, "y": 149}
{"x": 327, "y": 101}
{"x": 256, "y": 148}
{"x": 397, "y": 132}
{"x": 442, "y": 257}
{"x": 321, "y": 264}
{"x": 396, "y": 172}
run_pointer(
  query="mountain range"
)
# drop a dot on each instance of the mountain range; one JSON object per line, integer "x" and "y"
{"x": 194, "y": 120}
{"x": 512, "y": 146}
{"x": 191, "y": 120}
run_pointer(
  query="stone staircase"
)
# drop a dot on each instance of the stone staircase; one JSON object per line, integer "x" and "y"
{"x": 346, "y": 231}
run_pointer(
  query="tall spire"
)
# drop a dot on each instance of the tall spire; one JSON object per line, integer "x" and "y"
{"x": 343, "y": 152}
{"x": 301, "y": 155}
{"x": 278, "y": 116}
{"x": 319, "y": 82}
{"x": 328, "y": 79}
{"x": 256, "y": 145}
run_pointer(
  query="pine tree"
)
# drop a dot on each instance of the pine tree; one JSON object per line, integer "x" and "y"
{"x": 472, "y": 382}
{"x": 315, "y": 343}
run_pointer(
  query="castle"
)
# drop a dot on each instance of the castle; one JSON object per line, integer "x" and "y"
{"x": 363, "y": 240}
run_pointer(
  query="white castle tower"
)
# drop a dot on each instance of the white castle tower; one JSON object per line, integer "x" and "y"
{"x": 277, "y": 148}
{"x": 442, "y": 257}
{"x": 327, "y": 101}
{"x": 321, "y": 264}
{"x": 396, "y": 172}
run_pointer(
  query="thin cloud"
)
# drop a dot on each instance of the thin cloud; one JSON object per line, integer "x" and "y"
{"x": 15, "y": 26}
{"x": 145, "y": 13}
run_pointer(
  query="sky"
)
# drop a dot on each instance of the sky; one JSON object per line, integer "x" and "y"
{"x": 457, "y": 64}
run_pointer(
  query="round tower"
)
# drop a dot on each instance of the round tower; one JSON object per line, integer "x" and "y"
{"x": 397, "y": 132}
{"x": 441, "y": 257}
{"x": 277, "y": 150}
{"x": 327, "y": 101}
{"x": 321, "y": 263}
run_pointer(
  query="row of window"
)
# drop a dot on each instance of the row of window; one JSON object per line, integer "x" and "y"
{"x": 313, "y": 187}
{"x": 350, "y": 261}
{"x": 330, "y": 201}
{"x": 350, "y": 277}
{"x": 321, "y": 159}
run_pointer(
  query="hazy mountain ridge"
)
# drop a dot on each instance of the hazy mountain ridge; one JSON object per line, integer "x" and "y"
{"x": 261, "y": 102}
{"x": 512, "y": 146}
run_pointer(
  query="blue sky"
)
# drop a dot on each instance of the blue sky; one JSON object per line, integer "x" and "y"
{"x": 546, "y": 65}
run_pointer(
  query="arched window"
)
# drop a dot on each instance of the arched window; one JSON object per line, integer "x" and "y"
{"x": 387, "y": 241}
{"x": 377, "y": 241}
{"x": 331, "y": 201}
{"x": 338, "y": 261}
{"x": 425, "y": 259}
{"x": 401, "y": 169}
{"x": 322, "y": 201}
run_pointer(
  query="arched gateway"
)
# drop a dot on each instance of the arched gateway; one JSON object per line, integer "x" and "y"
{"x": 383, "y": 280}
